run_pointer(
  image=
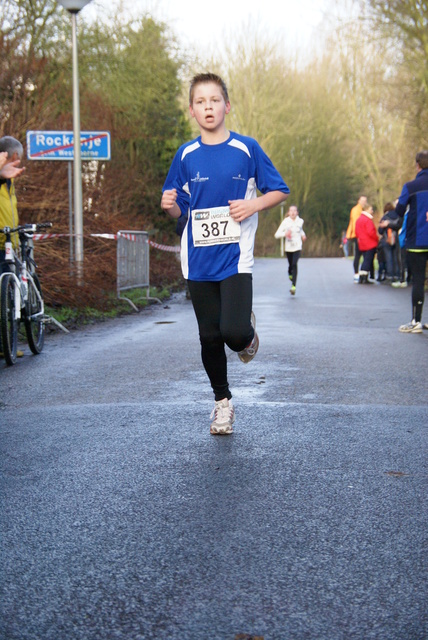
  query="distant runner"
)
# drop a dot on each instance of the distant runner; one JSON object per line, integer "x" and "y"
{"x": 291, "y": 228}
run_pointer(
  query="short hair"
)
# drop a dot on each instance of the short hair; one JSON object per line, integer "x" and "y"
{"x": 11, "y": 145}
{"x": 388, "y": 207}
{"x": 202, "y": 78}
{"x": 422, "y": 159}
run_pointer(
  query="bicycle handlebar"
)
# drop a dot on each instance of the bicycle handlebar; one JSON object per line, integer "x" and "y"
{"x": 27, "y": 228}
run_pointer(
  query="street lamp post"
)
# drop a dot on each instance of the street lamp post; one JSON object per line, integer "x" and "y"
{"x": 73, "y": 7}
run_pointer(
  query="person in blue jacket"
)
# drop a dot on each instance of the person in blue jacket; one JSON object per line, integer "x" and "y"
{"x": 213, "y": 181}
{"x": 414, "y": 200}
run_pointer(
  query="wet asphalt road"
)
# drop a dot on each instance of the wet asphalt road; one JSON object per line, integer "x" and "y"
{"x": 122, "y": 518}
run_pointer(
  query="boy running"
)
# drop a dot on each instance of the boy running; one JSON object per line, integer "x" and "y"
{"x": 213, "y": 181}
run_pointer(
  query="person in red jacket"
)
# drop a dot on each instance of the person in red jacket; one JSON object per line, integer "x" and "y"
{"x": 368, "y": 240}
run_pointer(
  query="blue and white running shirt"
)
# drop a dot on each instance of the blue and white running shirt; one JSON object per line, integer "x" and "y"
{"x": 213, "y": 245}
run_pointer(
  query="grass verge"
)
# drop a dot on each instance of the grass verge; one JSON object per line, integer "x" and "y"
{"x": 74, "y": 318}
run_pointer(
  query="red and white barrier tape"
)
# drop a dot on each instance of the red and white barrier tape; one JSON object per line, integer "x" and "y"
{"x": 46, "y": 236}
{"x": 132, "y": 237}
{"x": 109, "y": 236}
{"x": 164, "y": 247}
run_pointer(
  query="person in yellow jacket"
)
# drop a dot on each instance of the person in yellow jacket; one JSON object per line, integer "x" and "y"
{"x": 8, "y": 203}
{"x": 350, "y": 233}
{"x": 11, "y": 152}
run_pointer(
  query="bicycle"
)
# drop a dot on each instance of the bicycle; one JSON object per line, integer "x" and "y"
{"x": 21, "y": 294}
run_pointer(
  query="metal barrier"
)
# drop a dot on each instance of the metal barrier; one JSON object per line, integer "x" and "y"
{"x": 133, "y": 265}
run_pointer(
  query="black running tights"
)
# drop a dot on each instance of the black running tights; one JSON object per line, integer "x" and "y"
{"x": 223, "y": 312}
{"x": 417, "y": 261}
{"x": 293, "y": 259}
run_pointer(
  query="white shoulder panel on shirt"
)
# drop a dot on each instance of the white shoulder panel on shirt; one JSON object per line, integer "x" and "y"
{"x": 190, "y": 148}
{"x": 240, "y": 145}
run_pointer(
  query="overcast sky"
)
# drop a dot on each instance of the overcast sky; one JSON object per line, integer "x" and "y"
{"x": 204, "y": 25}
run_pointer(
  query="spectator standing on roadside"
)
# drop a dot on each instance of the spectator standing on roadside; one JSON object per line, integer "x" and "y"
{"x": 350, "y": 233}
{"x": 11, "y": 152}
{"x": 414, "y": 199}
{"x": 368, "y": 240}
{"x": 213, "y": 181}
{"x": 388, "y": 230}
{"x": 291, "y": 228}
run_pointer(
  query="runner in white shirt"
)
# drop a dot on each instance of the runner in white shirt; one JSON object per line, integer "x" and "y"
{"x": 291, "y": 228}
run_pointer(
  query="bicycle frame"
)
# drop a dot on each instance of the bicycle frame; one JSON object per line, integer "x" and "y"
{"x": 39, "y": 297}
{"x": 21, "y": 282}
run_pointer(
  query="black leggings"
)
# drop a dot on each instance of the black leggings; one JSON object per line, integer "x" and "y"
{"x": 293, "y": 258}
{"x": 417, "y": 262}
{"x": 357, "y": 254}
{"x": 223, "y": 312}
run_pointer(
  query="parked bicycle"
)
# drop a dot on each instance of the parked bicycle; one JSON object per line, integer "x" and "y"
{"x": 21, "y": 294}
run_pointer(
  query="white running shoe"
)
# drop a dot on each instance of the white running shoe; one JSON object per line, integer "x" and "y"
{"x": 411, "y": 327}
{"x": 249, "y": 352}
{"x": 253, "y": 320}
{"x": 224, "y": 417}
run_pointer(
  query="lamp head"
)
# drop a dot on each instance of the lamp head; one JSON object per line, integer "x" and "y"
{"x": 73, "y": 6}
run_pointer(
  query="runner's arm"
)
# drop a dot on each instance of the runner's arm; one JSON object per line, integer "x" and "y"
{"x": 241, "y": 209}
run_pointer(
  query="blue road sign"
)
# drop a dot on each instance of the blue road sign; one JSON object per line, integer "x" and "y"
{"x": 59, "y": 145}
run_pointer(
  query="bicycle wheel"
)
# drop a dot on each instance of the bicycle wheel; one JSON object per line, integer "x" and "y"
{"x": 33, "y": 317}
{"x": 9, "y": 324}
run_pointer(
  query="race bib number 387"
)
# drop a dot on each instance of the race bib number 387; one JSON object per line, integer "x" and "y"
{"x": 214, "y": 226}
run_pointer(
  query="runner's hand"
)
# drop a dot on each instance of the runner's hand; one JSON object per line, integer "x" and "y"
{"x": 169, "y": 203}
{"x": 241, "y": 209}
{"x": 169, "y": 198}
